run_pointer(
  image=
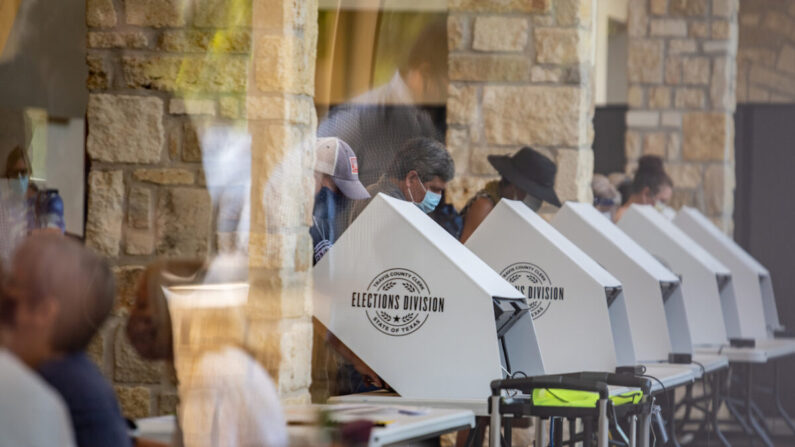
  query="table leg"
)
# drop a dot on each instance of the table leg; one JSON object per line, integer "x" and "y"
{"x": 749, "y": 411}
{"x": 716, "y": 404}
{"x": 779, "y": 405}
{"x": 671, "y": 420}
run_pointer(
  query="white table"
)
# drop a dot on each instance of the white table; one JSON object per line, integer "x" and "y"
{"x": 710, "y": 363}
{"x": 404, "y": 423}
{"x": 766, "y": 349}
{"x": 478, "y": 407}
{"x": 159, "y": 429}
{"x": 671, "y": 376}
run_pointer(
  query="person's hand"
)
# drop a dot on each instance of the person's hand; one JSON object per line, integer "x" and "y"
{"x": 368, "y": 375}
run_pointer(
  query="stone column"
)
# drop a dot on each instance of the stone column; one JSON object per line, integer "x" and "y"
{"x": 160, "y": 72}
{"x": 681, "y": 70}
{"x": 766, "y": 52}
{"x": 521, "y": 74}
{"x": 283, "y": 122}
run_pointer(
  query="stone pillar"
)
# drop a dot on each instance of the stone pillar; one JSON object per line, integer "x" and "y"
{"x": 283, "y": 123}
{"x": 521, "y": 74}
{"x": 766, "y": 52}
{"x": 681, "y": 70}
{"x": 159, "y": 74}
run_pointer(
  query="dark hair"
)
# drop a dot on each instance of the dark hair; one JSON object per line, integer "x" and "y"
{"x": 77, "y": 278}
{"x": 426, "y": 156}
{"x": 650, "y": 174}
{"x": 429, "y": 51}
{"x": 14, "y": 156}
{"x": 625, "y": 189}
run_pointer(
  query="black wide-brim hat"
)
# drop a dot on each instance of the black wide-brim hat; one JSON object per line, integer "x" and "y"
{"x": 530, "y": 171}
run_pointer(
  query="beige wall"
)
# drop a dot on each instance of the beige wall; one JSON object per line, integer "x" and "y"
{"x": 766, "y": 53}
{"x": 160, "y": 73}
{"x": 681, "y": 68}
{"x": 521, "y": 73}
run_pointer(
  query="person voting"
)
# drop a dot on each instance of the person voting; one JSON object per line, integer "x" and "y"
{"x": 419, "y": 309}
{"x": 572, "y": 299}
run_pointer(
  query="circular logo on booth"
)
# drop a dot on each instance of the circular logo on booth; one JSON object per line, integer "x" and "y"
{"x": 397, "y": 302}
{"x": 533, "y": 283}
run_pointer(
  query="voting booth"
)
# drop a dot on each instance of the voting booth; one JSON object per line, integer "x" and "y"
{"x": 756, "y": 304}
{"x": 420, "y": 309}
{"x": 706, "y": 282}
{"x": 568, "y": 293}
{"x": 652, "y": 292}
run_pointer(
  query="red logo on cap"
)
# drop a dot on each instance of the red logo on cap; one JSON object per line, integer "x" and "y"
{"x": 354, "y": 166}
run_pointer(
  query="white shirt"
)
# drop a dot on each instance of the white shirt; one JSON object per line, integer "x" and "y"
{"x": 31, "y": 413}
{"x": 228, "y": 400}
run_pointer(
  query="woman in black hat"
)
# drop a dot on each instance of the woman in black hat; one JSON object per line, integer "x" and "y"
{"x": 526, "y": 175}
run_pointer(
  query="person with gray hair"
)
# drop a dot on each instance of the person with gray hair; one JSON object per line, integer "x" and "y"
{"x": 55, "y": 298}
{"x": 419, "y": 173}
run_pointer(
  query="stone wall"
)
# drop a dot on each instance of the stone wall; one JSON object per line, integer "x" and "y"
{"x": 521, "y": 73}
{"x": 766, "y": 53}
{"x": 160, "y": 74}
{"x": 681, "y": 70}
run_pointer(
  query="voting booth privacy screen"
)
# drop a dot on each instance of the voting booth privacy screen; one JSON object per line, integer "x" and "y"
{"x": 756, "y": 304}
{"x": 650, "y": 289}
{"x": 567, "y": 292}
{"x": 706, "y": 282}
{"x": 418, "y": 307}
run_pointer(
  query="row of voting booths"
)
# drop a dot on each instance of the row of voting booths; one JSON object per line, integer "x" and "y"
{"x": 575, "y": 320}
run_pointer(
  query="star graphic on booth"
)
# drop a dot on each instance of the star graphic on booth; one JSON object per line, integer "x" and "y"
{"x": 397, "y": 318}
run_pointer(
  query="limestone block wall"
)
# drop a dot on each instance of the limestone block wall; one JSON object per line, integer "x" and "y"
{"x": 681, "y": 70}
{"x": 766, "y": 53}
{"x": 160, "y": 74}
{"x": 521, "y": 73}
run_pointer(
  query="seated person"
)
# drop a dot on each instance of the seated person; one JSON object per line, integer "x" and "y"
{"x": 44, "y": 207}
{"x": 418, "y": 173}
{"x": 226, "y": 398}
{"x": 606, "y": 197}
{"x": 336, "y": 185}
{"x": 24, "y": 393}
{"x": 526, "y": 175}
{"x": 73, "y": 291}
{"x": 651, "y": 186}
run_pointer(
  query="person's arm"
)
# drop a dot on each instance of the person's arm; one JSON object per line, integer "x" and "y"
{"x": 367, "y": 373}
{"x": 476, "y": 213}
{"x": 619, "y": 212}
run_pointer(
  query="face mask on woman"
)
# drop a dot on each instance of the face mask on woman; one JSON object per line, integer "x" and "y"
{"x": 20, "y": 184}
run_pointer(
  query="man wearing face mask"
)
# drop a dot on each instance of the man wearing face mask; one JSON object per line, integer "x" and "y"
{"x": 526, "y": 175}
{"x": 44, "y": 208}
{"x": 336, "y": 186}
{"x": 419, "y": 174}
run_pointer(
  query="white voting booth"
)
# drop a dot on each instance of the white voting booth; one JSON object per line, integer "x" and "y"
{"x": 704, "y": 278}
{"x": 418, "y": 307}
{"x": 652, "y": 292}
{"x": 758, "y": 315}
{"x": 707, "y": 285}
{"x": 644, "y": 280}
{"x": 568, "y": 294}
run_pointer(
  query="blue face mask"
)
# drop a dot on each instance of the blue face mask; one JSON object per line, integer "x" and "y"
{"x": 429, "y": 202}
{"x": 20, "y": 184}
